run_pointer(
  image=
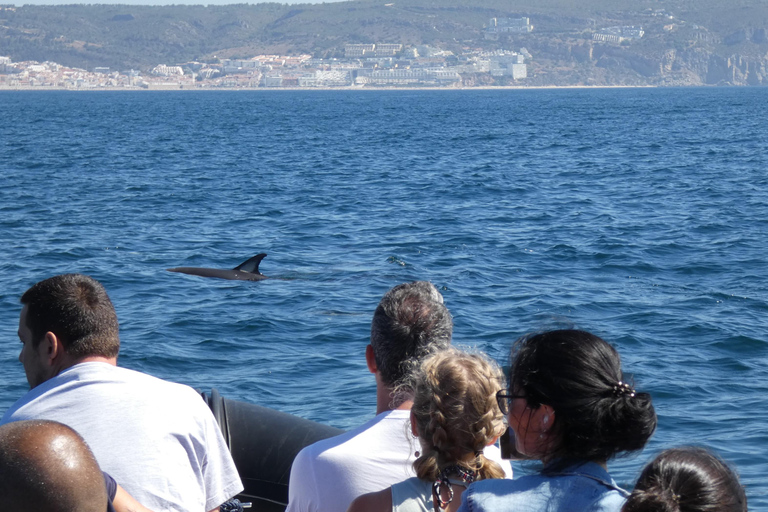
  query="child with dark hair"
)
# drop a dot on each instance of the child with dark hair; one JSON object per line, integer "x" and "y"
{"x": 687, "y": 480}
{"x": 571, "y": 408}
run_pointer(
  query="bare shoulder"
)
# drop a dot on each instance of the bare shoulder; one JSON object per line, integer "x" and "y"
{"x": 380, "y": 501}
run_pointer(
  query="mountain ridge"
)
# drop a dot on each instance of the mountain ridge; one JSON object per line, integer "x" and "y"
{"x": 685, "y": 42}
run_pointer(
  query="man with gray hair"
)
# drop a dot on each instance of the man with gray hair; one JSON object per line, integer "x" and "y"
{"x": 409, "y": 323}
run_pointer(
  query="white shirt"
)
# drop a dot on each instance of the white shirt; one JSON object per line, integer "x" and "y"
{"x": 328, "y": 475}
{"x": 157, "y": 439}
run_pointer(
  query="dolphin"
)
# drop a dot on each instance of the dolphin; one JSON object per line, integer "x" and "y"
{"x": 246, "y": 271}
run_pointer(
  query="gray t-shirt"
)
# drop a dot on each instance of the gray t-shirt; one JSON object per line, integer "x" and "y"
{"x": 412, "y": 495}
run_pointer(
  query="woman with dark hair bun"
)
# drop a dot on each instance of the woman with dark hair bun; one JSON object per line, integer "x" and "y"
{"x": 687, "y": 480}
{"x": 570, "y": 407}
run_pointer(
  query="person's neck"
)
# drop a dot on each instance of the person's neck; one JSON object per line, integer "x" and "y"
{"x": 97, "y": 359}
{"x": 384, "y": 400}
{"x": 69, "y": 363}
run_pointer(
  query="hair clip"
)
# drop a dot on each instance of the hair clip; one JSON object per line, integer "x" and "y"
{"x": 622, "y": 389}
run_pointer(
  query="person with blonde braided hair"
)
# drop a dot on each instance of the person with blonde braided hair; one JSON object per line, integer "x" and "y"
{"x": 454, "y": 416}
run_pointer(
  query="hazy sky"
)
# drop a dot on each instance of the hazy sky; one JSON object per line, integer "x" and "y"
{"x": 162, "y": 2}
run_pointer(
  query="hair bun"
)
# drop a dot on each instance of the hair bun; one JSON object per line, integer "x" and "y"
{"x": 652, "y": 500}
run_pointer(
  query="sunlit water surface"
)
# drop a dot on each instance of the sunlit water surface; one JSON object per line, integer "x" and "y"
{"x": 637, "y": 214}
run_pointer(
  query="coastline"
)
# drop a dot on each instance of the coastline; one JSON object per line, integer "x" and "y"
{"x": 201, "y": 89}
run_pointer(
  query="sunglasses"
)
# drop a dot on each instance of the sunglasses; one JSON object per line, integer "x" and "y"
{"x": 505, "y": 401}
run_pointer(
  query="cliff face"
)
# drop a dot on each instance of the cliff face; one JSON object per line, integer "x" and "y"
{"x": 696, "y": 66}
{"x": 697, "y": 58}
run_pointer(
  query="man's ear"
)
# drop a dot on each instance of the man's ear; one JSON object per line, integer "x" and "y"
{"x": 370, "y": 359}
{"x": 52, "y": 349}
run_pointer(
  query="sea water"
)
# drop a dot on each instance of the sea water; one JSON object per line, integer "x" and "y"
{"x": 638, "y": 214}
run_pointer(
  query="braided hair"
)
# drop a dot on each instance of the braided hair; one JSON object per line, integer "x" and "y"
{"x": 456, "y": 414}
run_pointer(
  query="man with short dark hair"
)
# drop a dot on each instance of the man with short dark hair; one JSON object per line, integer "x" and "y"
{"x": 46, "y": 466}
{"x": 409, "y": 323}
{"x": 158, "y": 439}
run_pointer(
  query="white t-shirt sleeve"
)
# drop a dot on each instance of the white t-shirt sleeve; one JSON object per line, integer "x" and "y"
{"x": 302, "y": 484}
{"x": 220, "y": 475}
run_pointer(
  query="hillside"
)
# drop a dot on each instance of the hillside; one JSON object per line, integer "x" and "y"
{"x": 685, "y": 41}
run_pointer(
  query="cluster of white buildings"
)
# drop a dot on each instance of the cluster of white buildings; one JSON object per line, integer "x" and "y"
{"x": 368, "y": 64}
{"x": 50, "y": 74}
{"x": 32, "y": 74}
{"x": 354, "y": 51}
{"x": 416, "y": 66}
{"x": 378, "y": 65}
{"x": 618, "y": 34}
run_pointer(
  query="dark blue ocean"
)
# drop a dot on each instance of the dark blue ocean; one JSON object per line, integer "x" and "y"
{"x": 638, "y": 214}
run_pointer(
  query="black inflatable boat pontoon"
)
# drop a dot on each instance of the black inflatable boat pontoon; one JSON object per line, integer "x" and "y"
{"x": 263, "y": 443}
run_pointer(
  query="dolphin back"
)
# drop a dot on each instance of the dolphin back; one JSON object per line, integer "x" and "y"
{"x": 251, "y": 265}
{"x": 246, "y": 271}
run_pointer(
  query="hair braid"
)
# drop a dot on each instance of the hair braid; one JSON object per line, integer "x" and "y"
{"x": 487, "y": 427}
{"x": 437, "y": 425}
{"x": 456, "y": 413}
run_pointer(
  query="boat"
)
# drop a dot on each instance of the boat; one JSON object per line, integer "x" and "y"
{"x": 263, "y": 443}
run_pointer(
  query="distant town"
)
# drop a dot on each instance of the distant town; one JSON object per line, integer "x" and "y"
{"x": 370, "y": 45}
{"x": 377, "y": 65}
{"x": 363, "y": 65}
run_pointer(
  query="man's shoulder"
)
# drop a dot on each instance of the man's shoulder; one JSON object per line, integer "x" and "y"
{"x": 329, "y": 474}
{"x": 94, "y": 384}
{"x": 359, "y": 439}
{"x": 102, "y": 373}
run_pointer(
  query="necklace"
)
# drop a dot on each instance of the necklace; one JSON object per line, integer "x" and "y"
{"x": 466, "y": 475}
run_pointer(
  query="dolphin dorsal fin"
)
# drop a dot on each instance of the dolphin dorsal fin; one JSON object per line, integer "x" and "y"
{"x": 252, "y": 265}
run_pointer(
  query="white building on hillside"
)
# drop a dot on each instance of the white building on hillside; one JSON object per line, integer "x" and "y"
{"x": 507, "y": 25}
{"x": 618, "y": 34}
{"x": 163, "y": 70}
